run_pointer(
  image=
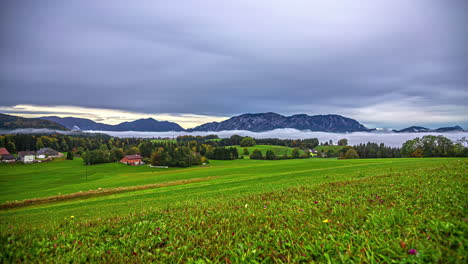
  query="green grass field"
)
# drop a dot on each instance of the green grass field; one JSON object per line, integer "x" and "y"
{"x": 164, "y": 141}
{"x": 336, "y": 149}
{"x": 322, "y": 210}
{"x": 214, "y": 139}
{"x": 278, "y": 150}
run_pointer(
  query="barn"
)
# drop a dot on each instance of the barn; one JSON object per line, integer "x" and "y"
{"x": 132, "y": 160}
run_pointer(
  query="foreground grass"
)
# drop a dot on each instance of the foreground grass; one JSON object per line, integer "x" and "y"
{"x": 369, "y": 219}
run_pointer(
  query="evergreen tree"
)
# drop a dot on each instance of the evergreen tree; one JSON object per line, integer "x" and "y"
{"x": 246, "y": 151}
{"x": 270, "y": 155}
{"x": 256, "y": 154}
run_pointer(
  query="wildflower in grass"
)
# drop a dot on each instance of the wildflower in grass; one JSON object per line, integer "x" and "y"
{"x": 326, "y": 221}
{"x": 246, "y": 205}
{"x": 301, "y": 210}
{"x": 72, "y": 216}
{"x": 264, "y": 207}
{"x": 316, "y": 202}
{"x": 412, "y": 251}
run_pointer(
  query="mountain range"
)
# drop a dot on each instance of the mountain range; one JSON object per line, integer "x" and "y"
{"x": 250, "y": 122}
{"x": 14, "y": 122}
{"x": 148, "y": 124}
{"x": 270, "y": 121}
{"x": 416, "y": 129}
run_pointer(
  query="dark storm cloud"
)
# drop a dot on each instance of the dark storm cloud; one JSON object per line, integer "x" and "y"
{"x": 228, "y": 57}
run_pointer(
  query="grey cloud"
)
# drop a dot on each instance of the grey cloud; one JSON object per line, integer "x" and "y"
{"x": 224, "y": 58}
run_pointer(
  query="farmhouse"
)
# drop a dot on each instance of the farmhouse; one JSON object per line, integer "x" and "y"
{"x": 7, "y": 158}
{"x": 48, "y": 152}
{"x": 313, "y": 151}
{"x": 132, "y": 160}
{"x": 4, "y": 151}
{"x": 27, "y": 156}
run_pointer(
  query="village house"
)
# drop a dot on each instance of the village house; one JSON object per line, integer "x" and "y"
{"x": 27, "y": 156}
{"x": 48, "y": 153}
{"x": 5, "y": 156}
{"x": 132, "y": 160}
{"x": 313, "y": 152}
{"x": 4, "y": 151}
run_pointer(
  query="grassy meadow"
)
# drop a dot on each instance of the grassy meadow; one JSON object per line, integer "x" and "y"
{"x": 284, "y": 211}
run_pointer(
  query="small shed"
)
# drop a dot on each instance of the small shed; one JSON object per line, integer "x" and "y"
{"x": 132, "y": 160}
{"x": 27, "y": 156}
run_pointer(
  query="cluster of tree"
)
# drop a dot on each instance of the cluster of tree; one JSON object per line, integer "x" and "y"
{"x": 292, "y": 143}
{"x": 248, "y": 142}
{"x": 374, "y": 150}
{"x": 343, "y": 142}
{"x": 308, "y": 143}
{"x": 434, "y": 146}
{"x": 197, "y": 138}
{"x": 78, "y": 144}
{"x": 222, "y": 153}
{"x": 349, "y": 153}
{"x": 270, "y": 155}
{"x": 102, "y": 155}
{"x": 180, "y": 156}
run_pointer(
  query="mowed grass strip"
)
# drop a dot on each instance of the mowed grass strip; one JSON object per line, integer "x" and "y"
{"x": 94, "y": 193}
{"x": 412, "y": 216}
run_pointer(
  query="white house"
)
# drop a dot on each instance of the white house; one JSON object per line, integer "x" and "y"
{"x": 27, "y": 156}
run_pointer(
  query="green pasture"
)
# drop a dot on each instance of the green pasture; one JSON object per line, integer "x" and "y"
{"x": 214, "y": 139}
{"x": 164, "y": 141}
{"x": 304, "y": 210}
{"x": 336, "y": 149}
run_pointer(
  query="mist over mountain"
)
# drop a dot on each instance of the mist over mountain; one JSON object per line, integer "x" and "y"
{"x": 260, "y": 122}
{"x": 419, "y": 129}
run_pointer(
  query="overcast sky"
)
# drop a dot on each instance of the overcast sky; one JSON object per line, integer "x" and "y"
{"x": 385, "y": 63}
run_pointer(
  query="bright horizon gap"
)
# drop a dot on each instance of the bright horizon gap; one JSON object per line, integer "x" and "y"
{"x": 106, "y": 116}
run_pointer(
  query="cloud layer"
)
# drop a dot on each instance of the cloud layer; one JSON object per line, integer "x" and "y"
{"x": 391, "y": 63}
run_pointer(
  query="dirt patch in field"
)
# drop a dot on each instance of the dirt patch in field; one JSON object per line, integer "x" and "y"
{"x": 98, "y": 192}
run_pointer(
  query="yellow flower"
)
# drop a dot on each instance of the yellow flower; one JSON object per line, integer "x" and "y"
{"x": 326, "y": 221}
{"x": 72, "y": 216}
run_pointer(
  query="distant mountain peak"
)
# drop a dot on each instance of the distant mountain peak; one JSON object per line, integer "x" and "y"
{"x": 417, "y": 129}
{"x": 269, "y": 121}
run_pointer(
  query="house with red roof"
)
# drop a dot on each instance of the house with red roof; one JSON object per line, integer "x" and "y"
{"x": 4, "y": 151}
{"x": 6, "y": 157}
{"x": 132, "y": 160}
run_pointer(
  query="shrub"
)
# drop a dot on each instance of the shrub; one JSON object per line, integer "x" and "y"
{"x": 248, "y": 142}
